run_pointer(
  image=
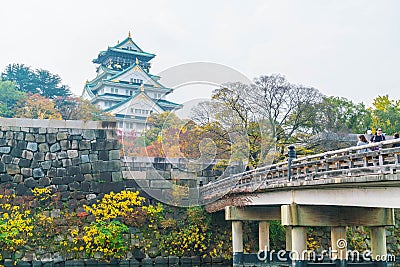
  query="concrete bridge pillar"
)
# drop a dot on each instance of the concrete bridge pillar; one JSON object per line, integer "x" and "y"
{"x": 339, "y": 245}
{"x": 378, "y": 244}
{"x": 237, "y": 243}
{"x": 288, "y": 246}
{"x": 299, "y": 246}
{"x": 263, "y": 236}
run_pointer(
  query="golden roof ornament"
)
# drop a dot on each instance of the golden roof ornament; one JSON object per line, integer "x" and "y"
{"x": 129, "y": 34}
{"x": 137, "y": 61}
{"x": 142, "y": 88}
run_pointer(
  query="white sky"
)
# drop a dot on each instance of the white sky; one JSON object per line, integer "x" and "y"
{"x": 343, "y": 48}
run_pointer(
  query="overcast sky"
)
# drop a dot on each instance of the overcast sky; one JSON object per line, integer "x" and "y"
{"x": 343, "y": 48}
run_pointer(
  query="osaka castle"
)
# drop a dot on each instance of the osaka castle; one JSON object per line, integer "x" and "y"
{"x": 125, "y": 88}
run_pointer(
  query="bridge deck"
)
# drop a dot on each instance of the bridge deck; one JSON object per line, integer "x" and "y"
{"x": 339, "y": 168}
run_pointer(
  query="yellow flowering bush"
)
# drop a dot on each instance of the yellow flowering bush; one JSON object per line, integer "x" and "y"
{"x": 107, "y": 239}
{"x": 16, "y": 225}
{"x": 115, "y": 205}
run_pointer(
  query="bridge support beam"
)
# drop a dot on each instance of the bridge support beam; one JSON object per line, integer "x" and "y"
{"x": 339, "y": 245}
{"x": 263, "y": 236}
{"x": 378, "y": 244}
{"x": 288, "y": 246}
{"x": 303, "y": 215}
{"x": 237, "y": 243}
{"x": 299, "y": 246}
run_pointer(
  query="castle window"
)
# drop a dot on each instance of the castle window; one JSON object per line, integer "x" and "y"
{"x": 116, "y": 90}
{"x": 131, "y": 80}
{"x": 112, "y": 90}
{"x": 120, "y": 124}
{"x": 127, "y": 92}
{"x": 131, "y": 92}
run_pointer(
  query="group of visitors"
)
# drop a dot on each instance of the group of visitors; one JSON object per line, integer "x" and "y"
{"x": 377, "y": 137}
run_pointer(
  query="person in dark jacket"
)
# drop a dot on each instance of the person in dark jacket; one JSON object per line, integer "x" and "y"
{"x": 378, "y": 136}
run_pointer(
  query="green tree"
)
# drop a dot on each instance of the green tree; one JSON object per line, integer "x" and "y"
{"x": 23, "y": 77}
{"x": 35, "y": 81}
{"x": 386, "y": 114}
{"x": 9, "y": 96}
{"x": 340, "y": 115}
{"x": 50, "y": 85}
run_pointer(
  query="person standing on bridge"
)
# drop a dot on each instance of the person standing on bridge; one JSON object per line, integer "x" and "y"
{"x": 362, "y": 141}
{"x": 377, "y": 137}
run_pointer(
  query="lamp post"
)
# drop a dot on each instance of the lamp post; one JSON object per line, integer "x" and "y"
{"x": 291, "y": 156}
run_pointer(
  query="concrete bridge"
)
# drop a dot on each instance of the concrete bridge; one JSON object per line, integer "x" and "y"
{"x": 336, "y": 189}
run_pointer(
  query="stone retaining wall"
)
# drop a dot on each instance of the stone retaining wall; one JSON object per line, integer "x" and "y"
{"x": 74, "y": 157}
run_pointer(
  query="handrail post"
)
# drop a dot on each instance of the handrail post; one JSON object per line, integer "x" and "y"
{"x": 291, "y": 156}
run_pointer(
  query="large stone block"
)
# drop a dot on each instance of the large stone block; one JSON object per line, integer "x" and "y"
{"x": 18, "y": 178}
{"x": 38, "y": 156}
{"x": 12, "y": 169}
{"x": 6, "y": 159}
{"x": 65, "y": 144}
{"x": 114, "y": 165}
{"x": 55, "y": 147}
{"x": 50, "y": 156}
{"x": 62, "y": 155}
{"x": 66, "y": 162}
{"x": 86, "y": 168}
{"x": 114, "y": 155}
{"x": 51, "y": 138}
{"x": 44, "y": 147}
{"x": 29, "y": 137}
{"x": 24, "y": 163}
{"x": 46, "y": 165}
{"x": 37, "y": 173}
{"x": 89, "y": 134}
{"x": 40, "y": 138}
{"x": 27, "y": 154}
{"x": 72, "y": 153}
{"x": 5, "y": 149}
{"x": 62, "y": 136}
{"x": 73, "y": 170}
{"x": 44, "y": 181}
{"x": 22, "y": 144}
{"x": 61, "y": 172}
{"x": 52, "y": 172}
{"x": 84, "y": 144}
{"x": 85, "y": 158}
{"x": 103, "y": 155}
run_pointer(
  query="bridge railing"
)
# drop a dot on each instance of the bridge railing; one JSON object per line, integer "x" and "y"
{"x": 382, "y": 157}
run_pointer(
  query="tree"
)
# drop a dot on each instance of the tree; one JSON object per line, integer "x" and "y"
{"x": 287, "y": 108}
{"x": 35, "y": 81}
{"x": 50, "y": 85}
{"x": 23, "y": 77}
{"x": 386, "y": 114}
{"x": 9, "y": 96}
{"x": 36, "y": 107}
{"x": 76, "y": 108}
{"x": 267, "y": 116}
{"x": 339, "y": 115}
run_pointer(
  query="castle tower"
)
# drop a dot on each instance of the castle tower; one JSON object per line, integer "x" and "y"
{"x": 125, "y": 88}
